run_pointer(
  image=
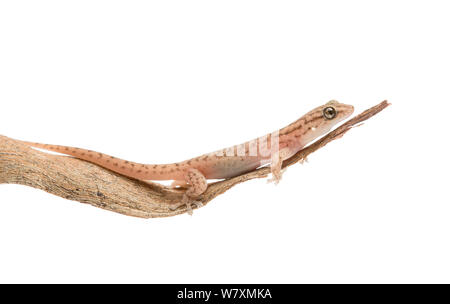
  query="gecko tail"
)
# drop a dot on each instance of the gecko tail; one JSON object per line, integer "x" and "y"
{"x": 54, "y": 148}
{"x": 72, "y": 151}
{"x": 121, "y": 166}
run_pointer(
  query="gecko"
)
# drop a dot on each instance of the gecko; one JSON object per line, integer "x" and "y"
{"x": 193, "y": 174}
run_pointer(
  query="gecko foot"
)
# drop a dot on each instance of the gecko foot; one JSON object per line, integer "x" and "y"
{"x": 189, "y": 205}
{"x": 276, "y": 176}
{"x": 197, "y": 185}
{"x": 303, "y": 160}
{"x": 275, "y": 179}
{"x": 186, "y": 201}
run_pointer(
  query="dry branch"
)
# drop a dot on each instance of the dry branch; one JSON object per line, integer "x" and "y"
{"x": 85, "y": 182}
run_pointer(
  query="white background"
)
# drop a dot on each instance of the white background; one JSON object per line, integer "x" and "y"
{"x": 164, "y": 81}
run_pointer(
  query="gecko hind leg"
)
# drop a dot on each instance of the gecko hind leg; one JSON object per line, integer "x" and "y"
{"x": 197, "y": 185}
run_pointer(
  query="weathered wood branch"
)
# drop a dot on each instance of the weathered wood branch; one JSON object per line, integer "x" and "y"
{"x": 85, "y": 182}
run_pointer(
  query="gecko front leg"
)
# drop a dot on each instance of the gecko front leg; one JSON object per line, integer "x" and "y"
{"x": 197, "y": 185}
{"x": 276, "y": 163}
{"x": 275, "y": 168}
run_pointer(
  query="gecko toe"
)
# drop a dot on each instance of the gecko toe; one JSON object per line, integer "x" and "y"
{"x": 189, "y": 209}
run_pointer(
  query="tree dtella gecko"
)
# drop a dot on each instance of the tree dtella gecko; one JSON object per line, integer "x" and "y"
{"x": 193, "y": 173}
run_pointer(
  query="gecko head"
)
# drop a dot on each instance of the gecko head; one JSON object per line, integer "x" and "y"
{"x": 320, "y": 120}
{"x": 334, "y": 112}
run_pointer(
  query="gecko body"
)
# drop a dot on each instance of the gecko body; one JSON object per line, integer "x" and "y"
{"x": 270, "y": 149}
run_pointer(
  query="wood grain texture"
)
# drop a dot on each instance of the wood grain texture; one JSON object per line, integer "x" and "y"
{"x": 81, "y": 181}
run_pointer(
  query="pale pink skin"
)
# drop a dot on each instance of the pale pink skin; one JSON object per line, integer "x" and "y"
{"x": 220, "y": 164}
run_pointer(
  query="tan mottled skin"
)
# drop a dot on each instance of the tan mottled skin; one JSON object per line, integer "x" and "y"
{"x": 223, "y": 163}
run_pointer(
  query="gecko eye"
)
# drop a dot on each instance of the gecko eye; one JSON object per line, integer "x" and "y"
{"x": 329, "y": 112}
